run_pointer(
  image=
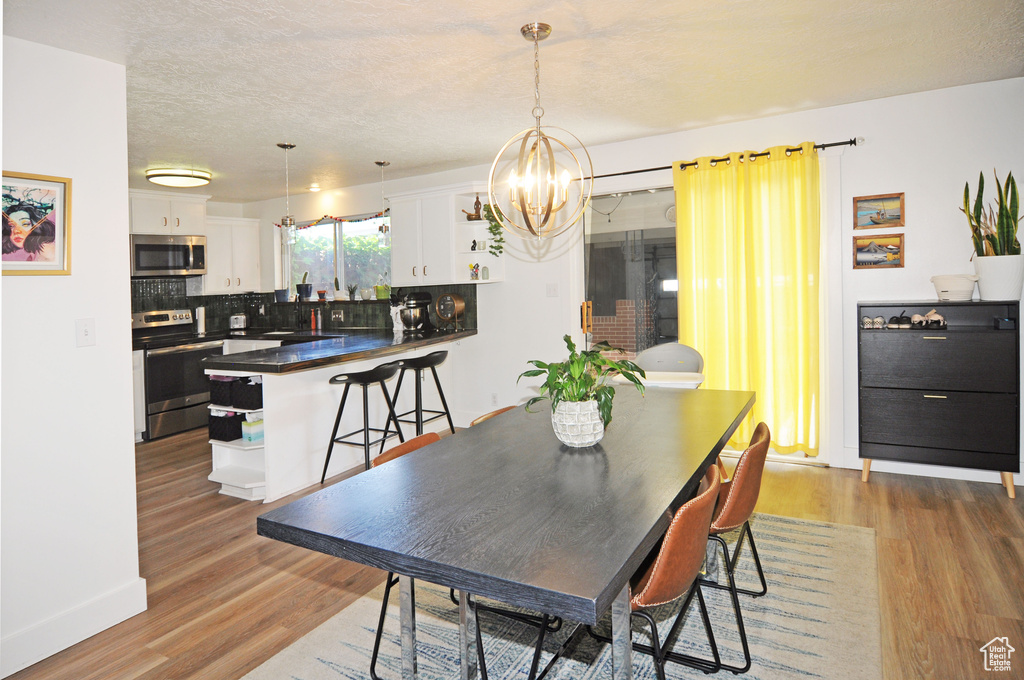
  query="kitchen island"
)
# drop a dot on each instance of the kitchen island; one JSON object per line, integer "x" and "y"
{"x": 299, "y": 405}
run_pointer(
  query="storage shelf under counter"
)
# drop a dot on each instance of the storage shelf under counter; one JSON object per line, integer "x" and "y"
{"x": 300, "y": 405}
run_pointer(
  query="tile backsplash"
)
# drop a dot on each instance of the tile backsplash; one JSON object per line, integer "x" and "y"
{"x": 174, "y": 293}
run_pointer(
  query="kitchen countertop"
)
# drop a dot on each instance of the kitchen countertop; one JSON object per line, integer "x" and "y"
{"x": 325, "y": 348}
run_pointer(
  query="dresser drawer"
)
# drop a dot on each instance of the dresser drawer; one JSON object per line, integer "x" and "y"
{"x": 965, "y": 421}
{"x": 949, "y": 457}
{"x": 963, "y": 360}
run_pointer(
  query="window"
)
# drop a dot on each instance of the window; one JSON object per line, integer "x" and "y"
{"x": 349, "y": 249}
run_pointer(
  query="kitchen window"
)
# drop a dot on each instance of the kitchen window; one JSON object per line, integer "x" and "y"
{"x": 350, "y": 249}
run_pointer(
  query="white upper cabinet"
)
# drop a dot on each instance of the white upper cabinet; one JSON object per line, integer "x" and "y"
{"x": 158, "y": 212}
{"x": 233, "y": 255}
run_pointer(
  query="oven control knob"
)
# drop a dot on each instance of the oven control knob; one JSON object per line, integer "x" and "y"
{"x": 188, "y": 315}
{"x": 174, "y": 317}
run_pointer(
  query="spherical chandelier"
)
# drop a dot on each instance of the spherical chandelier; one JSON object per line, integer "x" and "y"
{"x": 539, "y": 185}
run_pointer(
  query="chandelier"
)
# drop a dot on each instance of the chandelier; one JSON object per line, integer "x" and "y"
{"x": 540, "y": 188}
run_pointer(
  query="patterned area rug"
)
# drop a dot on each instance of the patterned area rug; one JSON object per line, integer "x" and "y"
{"x": 820, "y": 615}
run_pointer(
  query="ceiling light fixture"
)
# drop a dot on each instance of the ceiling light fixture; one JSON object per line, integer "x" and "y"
{"x": 288, "y": 222}
{"x": 178, "y": 177}
{"x": 383, "y": 232}
{"x": 314, "y": 187}
{"x": 544, "y": 187}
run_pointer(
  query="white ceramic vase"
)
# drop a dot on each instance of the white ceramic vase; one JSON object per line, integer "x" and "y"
{"x": 1000, "y": 277}
{"x": 577, "y": 423}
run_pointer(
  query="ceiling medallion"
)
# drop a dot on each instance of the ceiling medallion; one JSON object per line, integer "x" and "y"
{"x": 178, "y": 177}
{"x": 541, "y": 188}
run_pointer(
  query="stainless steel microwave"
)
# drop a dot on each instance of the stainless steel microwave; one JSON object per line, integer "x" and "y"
{"x": 160, "y": 255}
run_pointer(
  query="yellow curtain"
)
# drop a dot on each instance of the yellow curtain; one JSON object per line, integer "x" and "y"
{"x": 747, "y": 238}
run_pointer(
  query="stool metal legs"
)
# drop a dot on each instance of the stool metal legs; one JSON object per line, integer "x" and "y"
{"x": 419, "y": 410}
{"x": 365, "y": 441}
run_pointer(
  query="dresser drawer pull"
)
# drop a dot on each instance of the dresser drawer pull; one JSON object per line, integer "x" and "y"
{"x": 933, "y": 337}
{"x": 934, "y": 396}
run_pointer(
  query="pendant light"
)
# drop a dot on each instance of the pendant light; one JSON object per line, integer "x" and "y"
{"x": 383, "y": 231}
{"x": 541, "y": 187}
{"x": 287, "y": 222}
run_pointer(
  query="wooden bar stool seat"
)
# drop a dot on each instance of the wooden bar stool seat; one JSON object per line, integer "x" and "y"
{"x": 363, "y": 380}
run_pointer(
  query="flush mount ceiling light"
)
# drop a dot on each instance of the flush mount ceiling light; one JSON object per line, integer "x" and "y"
{"x": 314, "y": 187}
{"x": 541, "y": 187}
{"x": 178, "y": 177}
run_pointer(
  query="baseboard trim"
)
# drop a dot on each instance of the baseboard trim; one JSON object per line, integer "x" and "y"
{"x": 25, "y": 647}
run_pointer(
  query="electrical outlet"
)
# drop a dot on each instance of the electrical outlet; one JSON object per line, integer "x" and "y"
{"x": 494, "y": 398}
{"x": 85, "y": 332}
{"x": 337, "y": 315}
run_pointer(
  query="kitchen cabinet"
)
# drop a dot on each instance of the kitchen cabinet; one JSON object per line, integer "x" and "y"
{"x": 158, "y": 212}
{"x": 421, "y": 239}
{"x": 233, "y": 255}
{"x": 946, "y": 396}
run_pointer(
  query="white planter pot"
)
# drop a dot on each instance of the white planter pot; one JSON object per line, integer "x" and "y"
{"x": 577, "y": 423}
{"x": 1000, "y": 277}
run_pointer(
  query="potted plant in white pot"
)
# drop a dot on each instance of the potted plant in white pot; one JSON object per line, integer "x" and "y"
{"x": 581, "y": 398}
{"x": 997, "y": 256}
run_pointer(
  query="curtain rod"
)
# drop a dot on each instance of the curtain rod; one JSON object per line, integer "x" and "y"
{"x": 682, "y": 166}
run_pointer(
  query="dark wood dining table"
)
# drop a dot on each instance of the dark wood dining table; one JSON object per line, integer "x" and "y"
{"x": 504, "y": 510}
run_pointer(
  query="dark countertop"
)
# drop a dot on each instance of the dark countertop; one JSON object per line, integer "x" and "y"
{"x": 334, "y": 347}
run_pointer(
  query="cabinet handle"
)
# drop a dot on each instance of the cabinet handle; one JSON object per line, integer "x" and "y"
{"x": 227, "y": 283}
{"x": 424, "y": 270}
{"x": 177, "y": 221}
{"x": 934, "y": 396}
{"x": 414, "y": 271}
{"x": 933, "y": 337}
{"x": 165, "y": 221}
{"x": 238, "y": 282}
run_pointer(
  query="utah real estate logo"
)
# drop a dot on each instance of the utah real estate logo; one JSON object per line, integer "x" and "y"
{"x": 997, "y": 654}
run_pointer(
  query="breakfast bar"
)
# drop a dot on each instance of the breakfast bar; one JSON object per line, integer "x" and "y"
{"x": 299, "y": 406}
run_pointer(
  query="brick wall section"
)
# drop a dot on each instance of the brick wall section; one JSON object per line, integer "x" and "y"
{"x": 621, "y": 330}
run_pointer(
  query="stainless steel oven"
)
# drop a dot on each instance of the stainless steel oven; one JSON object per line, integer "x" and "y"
{"x": 177, "y": 388}
{"x": 159, "y": 255}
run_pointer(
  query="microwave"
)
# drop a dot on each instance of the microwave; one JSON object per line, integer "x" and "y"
{"x": 158, "y": 255}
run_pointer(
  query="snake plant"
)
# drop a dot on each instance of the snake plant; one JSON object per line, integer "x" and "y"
{"x": 583, "y": 377}
{"x": 994, "y": 231}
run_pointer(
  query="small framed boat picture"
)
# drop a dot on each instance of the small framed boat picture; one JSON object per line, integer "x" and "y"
{"x": 878, "y": 251}
{"x": 877, "y": 212}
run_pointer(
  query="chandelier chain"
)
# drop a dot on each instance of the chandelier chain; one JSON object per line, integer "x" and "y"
{"x": 538, "y": 111}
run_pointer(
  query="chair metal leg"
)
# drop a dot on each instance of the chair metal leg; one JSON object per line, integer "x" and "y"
{"x": 334, "y": 433}
{"x": 391, "y": 582}
{"x": 444, "y": 402}
{"x": 394, "y": 399}
{"x": 391, "y": 415}
{"x": 745, "y": 532}
{"x": 736, "y": 606}
{"x": 366, "y": 428}
{"x": 554, "y": 625}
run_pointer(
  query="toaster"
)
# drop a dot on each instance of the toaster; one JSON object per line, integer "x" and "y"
{"x": 238, "y": 321}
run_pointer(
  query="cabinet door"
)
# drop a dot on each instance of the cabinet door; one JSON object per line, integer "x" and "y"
{"x": 188, "y": 218}
{"x": 150, "y": 215}
{"x": 436, "y": 239}
{"x": 219, "y": 267}
{"x": 406, "y": 266}
{"x": 245, "y": 256}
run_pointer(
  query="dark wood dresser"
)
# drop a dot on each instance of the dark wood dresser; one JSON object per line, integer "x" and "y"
{"x": 942, "y": 397}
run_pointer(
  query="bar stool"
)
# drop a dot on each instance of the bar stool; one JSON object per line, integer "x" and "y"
{"x": 364, "y": 379}
{"x": 418, "y": 365}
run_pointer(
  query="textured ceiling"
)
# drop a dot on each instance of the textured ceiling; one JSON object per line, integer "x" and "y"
{"x": 429, "y": 86}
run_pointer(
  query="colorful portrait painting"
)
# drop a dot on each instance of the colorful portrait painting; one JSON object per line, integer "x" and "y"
{"x": 36, "y": 224}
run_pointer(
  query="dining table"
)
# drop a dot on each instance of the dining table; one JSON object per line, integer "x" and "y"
{"x": 503, "y": 510}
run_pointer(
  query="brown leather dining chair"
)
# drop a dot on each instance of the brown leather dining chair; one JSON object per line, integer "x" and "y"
{"x": 488, "y": 416}
{"x": 736, "y": 500}
{"x": 672, "y": 570}
{"x": 406, "y": 447}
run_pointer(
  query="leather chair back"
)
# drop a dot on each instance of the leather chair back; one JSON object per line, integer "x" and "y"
{"x": 738, "y": 496}
{"x": 672, "y": 572}
{"x": 488, "y": 416}
{"x": 408, "y": 446}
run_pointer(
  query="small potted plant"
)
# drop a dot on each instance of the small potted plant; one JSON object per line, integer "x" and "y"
{"x": 305, "y": 290}
{"x": 352, "y": 288}
{"x": 998, "y": 260}
{"x": 581, "y": 398}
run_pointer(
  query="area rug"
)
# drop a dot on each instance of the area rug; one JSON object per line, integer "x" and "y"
{"x": 819, "y": 619}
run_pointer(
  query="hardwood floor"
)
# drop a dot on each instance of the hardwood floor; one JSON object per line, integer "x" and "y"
{"x": 223, "y": 600}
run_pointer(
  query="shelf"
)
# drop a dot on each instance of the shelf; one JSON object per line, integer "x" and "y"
{"x": 234, "y": 409}
{"x": 236, "y": 475}
{"x": 238, "y": 444}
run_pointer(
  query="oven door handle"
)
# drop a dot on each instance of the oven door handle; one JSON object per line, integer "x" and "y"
{"x": 180, "y": 349}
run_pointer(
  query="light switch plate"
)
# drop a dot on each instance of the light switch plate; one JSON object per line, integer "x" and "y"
{"x": 552, "y": 290}
{"x": 85, "y": 332}
{"x": 337, "y": 315}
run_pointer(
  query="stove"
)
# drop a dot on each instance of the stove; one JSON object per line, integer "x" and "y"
{"x": 177, "y": 389}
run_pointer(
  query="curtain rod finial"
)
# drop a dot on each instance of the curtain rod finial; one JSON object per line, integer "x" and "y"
{"x": 859, "y": 141}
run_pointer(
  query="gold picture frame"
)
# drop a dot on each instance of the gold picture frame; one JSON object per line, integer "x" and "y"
{"x": 37, "y": 225}
{"x": 878, "y": 251}
{"x": 881, "y": 211}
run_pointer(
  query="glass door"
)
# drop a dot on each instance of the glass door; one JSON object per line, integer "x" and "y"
{"x": 630, "y": 269}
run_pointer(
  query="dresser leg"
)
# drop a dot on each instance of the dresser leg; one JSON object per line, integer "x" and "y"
{"x": 1007, "y": 478}
{"x": 866, "y": 470}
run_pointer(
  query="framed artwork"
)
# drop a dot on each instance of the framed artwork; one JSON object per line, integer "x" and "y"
{"x": 878, "y": 251}
{"x": 37, "y": 224}
{"x": 876, "y": 212}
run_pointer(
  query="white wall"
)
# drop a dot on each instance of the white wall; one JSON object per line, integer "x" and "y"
{"x": 69, "y": 555}
{"x": 925, "y": 145}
